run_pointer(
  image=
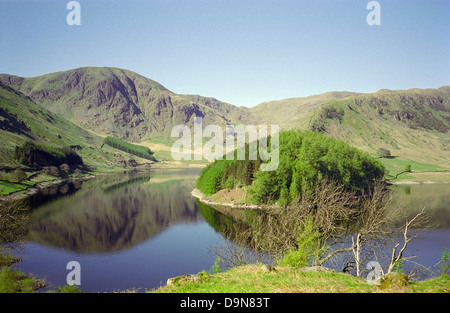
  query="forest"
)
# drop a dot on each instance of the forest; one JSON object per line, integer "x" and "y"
{"x": 32, "y": 154}
{"x": 140, "y": 151}
{"x": 305, "y": 158}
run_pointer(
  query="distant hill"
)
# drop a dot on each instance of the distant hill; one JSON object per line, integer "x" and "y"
{"x": 121, "y": 103}
{"x": 414, "y": 125}
{"x": 295, "y": 112}
{"x": 22, "y": 120}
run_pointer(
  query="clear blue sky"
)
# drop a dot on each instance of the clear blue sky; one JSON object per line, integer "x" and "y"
{"x": 239, "y": 51}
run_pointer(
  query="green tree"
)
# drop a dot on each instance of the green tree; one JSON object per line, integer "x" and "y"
{"x": 305, "y": 158}
{"x": 285, "y": 197}
{"x": 18, "y": 176}
{"x": 309, "y": 246}
{"x": 384, "y": 153}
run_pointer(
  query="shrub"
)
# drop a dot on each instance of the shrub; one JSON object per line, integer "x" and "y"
{"x": 216, "y": 267}
{"x": 18, "y": 176}
{"x": 67, "y": 289}
{"x": 384, "y": 153}
{"x": 65, "y": 168}
{"x": 51, "y": 170}
{"x": 308, "y": 246}
{"x": 445, "y": 266}
{"x": 13, "y": 281}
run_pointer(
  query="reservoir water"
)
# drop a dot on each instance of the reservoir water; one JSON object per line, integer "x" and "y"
{"x": 134, "y": 231}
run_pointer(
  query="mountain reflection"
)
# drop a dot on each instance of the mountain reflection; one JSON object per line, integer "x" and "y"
{"x": 113, "y": 213}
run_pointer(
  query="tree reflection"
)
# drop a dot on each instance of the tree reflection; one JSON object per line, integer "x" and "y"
{"x": 114, "y": 213}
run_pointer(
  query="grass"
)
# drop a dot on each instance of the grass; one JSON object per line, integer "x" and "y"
{"x": 7, "y": 187}
{"x": 14, "y": 281}
{"x": 251, "y": 279}
{"x": 162, "y": 152}
{"x": 420, "y": 171}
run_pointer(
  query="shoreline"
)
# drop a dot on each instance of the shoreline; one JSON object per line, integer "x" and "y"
{"x": 233, "y": 205}
{"x": 30, "y": 191}
{"x": 410, "y": 182}
{"x": 41, "y": 186}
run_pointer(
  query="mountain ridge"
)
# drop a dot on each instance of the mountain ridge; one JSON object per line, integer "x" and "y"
{"x": 119, "y": 102}
{"x": 414, "y": 123}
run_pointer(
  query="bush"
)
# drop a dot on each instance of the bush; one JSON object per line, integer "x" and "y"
{"x": 384, "y": 153}
{"x": 51, "y": 170}
{"x": 18, "y": 176}
{"x": 308, "y": 246}
{"x": 13, "y": 281}
{"x": 65, "y": 168}
{"x": 67, "y": 289}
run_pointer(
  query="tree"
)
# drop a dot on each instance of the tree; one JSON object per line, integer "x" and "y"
{"x": 308, "y": 246}
{"x": 18, "y": 176}
{"x": 65, "y": 168}
{"x": 384, "y": 153}
{"x": 396, "y": 258}
{"x": 305, "y": 159}
{"x": 329, "y": 226}
{"x": 51, "y": 170}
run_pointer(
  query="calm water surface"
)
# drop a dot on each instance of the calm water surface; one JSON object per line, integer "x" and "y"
{"x": 134, "y": 231}
{"x": 126, "y": 231}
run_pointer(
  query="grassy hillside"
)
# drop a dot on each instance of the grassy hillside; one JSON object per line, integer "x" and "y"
{"x": 294, "y": 112}
{"x": 251, "y": 279}
{"x": 412, "y": 124}
{"x": 120, "y": 103}
{"x": 23, "y": 120}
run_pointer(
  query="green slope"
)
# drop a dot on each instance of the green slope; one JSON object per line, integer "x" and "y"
{"x": 412, "y": 124}
{"x": 121, "y": 103}
{"x": 23, "y": 120}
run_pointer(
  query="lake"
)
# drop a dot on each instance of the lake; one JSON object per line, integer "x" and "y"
{"x": 134, "y": 231}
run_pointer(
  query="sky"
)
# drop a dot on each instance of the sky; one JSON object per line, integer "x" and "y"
{"x": 243, "y": 52}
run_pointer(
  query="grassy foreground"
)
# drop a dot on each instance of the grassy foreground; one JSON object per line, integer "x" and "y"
{"x": 252, "y": 279}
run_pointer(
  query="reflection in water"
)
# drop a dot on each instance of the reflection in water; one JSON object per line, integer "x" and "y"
{"x": 241, "y": 226}
{"x": 435, "y": 198}
{"x": 136, "y": 231}
{"x": 113, "y": 212}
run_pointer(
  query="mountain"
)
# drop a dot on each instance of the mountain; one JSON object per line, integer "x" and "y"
{"x": 294, "y": 112}
{"x": 23, "y": 120}
{"x": 121, "y": 103}
{"x": 414, "y": 125}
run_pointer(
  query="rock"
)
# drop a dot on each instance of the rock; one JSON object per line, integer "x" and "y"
{"x": 393, "y": 279}
{"x": 267, "y": 268}
{"x": 183, "y": 278}
{"x": 317, "y": 269}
